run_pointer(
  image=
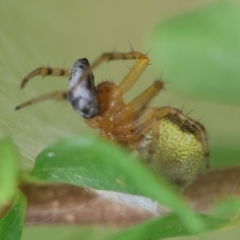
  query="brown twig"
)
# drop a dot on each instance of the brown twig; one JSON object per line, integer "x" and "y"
{"x": 68, "y": 204}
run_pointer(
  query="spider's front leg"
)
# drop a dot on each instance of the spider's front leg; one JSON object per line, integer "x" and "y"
{"x": 132, "y": 76}
{"x": 83, "y": 99}
{"x": 58, "y": 95}
{"x": 44, "y": 71}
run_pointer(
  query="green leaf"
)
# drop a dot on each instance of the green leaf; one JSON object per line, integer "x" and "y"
{"x": 163, "y": 227}
{"x": 228, "y": 207}
{"x": 88, "y": 162}
{"x": 8, "y": 170}
{"x": 199, "y": 52}
{"x": 225, "y": 157}
{"x": 12, "y": 223}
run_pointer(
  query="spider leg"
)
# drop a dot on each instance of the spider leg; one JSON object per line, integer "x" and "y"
{"x": 143, "y": 99}
{"x": 45, "y": 71}
{"x": 143, "y": 118}
{"x": 132, "y": 76}
{"x": 141, "y": 123}
{"x": 139, "y": 103}
{"x": 58, "y": 95}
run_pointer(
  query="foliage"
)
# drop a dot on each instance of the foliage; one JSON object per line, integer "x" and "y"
{"x": 85, "y": 161}
{"x": 199, "y": 52}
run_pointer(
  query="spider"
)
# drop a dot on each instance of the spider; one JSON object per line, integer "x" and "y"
{"x": 170, "y": 142}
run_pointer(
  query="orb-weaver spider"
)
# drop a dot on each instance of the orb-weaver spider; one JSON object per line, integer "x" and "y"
{"x": 165, "y": 138}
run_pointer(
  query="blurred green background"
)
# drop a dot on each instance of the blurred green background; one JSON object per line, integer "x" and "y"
{"x": 56, "y": 33}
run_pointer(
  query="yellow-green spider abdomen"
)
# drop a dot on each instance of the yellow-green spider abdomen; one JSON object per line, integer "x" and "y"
{"x": 179, "y": 151}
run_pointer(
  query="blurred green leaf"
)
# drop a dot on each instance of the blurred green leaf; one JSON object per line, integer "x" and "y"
{"x": 200, "y": 52}
{"x": 224, "y": 157}
{"x": 12, "y": 223}
{"x": 8, "y": 170}
{"x": 228, "y": 206}
{"x": 167, "y": 226}
{"x": 92, "y": 163}
{"x": 94, "y": 233}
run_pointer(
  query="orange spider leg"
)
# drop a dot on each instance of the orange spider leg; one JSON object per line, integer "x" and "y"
{"x": 45, "y": 71}
{"x": 140, "y": 102}
{"x": 136, "y": 71}
{"x": 147, "y": 119}
{"x": 132, "y": 76}
{"x": 142, "y": 122}
{"x": 58, "y": 95}
{"x": 137, "y": 127}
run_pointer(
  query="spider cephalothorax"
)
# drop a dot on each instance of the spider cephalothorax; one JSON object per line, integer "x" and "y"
{"x": 169, "y": 141}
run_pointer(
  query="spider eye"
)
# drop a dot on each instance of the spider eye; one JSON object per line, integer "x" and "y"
{"x": 82, "y": 63}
